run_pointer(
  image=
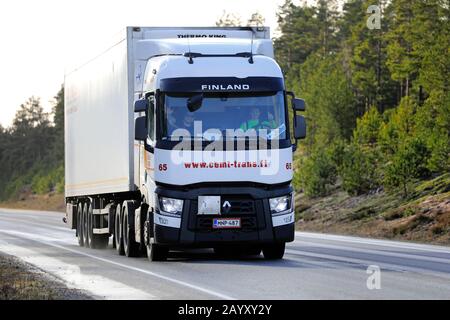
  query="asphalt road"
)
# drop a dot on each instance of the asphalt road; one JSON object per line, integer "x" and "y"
{"x": 315, "y": 266}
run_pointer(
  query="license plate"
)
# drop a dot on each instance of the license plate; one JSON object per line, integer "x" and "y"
{"x": 227, "y": 223}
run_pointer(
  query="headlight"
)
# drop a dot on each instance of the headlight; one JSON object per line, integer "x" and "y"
{"x": 170, "y": 205}
{"x": 280, "y": 204}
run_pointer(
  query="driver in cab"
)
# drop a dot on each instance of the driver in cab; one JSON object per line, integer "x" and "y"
{"x": 255, "y": 123}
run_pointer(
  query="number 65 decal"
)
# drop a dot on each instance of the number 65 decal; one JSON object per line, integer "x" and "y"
{"x": 162, "y": 167}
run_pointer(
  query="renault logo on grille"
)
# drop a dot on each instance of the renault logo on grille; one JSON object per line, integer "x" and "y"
{"x": 226, "y": 207}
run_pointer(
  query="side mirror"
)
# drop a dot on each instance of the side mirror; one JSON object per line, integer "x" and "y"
{"x": 195, "y": 102}
{"x": 300, "y": 127}
{"x": 140, "y": 129}
{"x": 298, "y": 104}
{"x": 141, "y": 105}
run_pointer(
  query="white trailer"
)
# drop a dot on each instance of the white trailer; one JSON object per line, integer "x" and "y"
{"x": 122, "y": 177}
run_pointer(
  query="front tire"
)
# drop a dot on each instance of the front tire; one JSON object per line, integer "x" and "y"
{"x": 118, "y": 231}
{"x": 156, "y": 252}
{"x": 274, "y": 251}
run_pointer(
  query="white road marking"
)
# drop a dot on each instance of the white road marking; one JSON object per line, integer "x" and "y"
{"x": 74, "y": 278}
{"x": 366, "y": 262}
{"x": 378, "y": 242}
{"x": 379, "y": 252}
{"x": 45, "y": 240}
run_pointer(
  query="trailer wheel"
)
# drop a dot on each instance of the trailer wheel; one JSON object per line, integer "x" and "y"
{"x": 274, "y": 251}
{"x": 86, "y": 226}
{"x": 97, "y": 241}
{"x": 156, "y": 252}
{"x": 130, "y": 246}
{"x": 80, "y": 224}
{"x": 118, "y": 230}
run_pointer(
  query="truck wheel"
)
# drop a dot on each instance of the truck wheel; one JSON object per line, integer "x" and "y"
{"x": 86, "y": 226}
{"x": 156, "y": 252}
{"x": 80, "y": 225}
{"x": 97, "y": 241}
{"x": 130, "y": 246}
{"x": 118, "y": 231}
{"x": 274, "y": 251}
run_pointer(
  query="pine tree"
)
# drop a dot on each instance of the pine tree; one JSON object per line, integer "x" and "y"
{"x": 256, "y": 20}
{"x": 365, "y": 50}
{"x": 402, "y": 61}
{"x": 300, "y": 34}
{"x": 57, "y": 153}
{"x": 326, "y": 13}
{"x": 229, "y": 19}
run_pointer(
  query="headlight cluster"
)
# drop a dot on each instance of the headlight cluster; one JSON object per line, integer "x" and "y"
{"x": 170, "y": 205}
{"x": 281, "y": 204}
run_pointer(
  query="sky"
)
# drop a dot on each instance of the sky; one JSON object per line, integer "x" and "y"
{"x": 42, "y": 38}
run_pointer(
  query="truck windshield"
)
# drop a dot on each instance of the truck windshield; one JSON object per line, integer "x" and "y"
{"x": 255, "y": 115}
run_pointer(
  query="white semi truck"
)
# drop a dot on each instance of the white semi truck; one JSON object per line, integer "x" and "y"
{"x": 181, "y": 137}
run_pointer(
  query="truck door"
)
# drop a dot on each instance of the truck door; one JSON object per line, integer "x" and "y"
{"x": 148, "y": 163}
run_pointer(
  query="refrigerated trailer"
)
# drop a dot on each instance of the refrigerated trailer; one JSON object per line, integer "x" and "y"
{"x": 179, "y": 138}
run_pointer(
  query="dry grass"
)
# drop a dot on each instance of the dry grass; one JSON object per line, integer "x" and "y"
{"x": 19, "y": 281}
{"x": 424, "y": 217}
{"x": 47, "y": 202}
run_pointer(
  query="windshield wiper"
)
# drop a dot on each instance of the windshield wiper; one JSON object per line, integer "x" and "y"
{"x": 280, "y": 130}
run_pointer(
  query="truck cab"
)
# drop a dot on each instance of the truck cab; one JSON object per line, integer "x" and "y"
{"x": 215, "y": 147}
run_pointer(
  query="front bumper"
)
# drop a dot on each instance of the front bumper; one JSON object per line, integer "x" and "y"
{"x": 251, "y": 204}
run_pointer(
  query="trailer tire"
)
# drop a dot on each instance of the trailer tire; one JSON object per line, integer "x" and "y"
{"x": 274, "y": 251}
{"x": 86, "y": 226}
{"x": 130, "y": 246}
{"x": 80, "y": 224}
{"x": 118, "y": 230}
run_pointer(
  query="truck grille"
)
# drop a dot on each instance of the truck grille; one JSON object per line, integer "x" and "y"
{"x": 241, "y": 207}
